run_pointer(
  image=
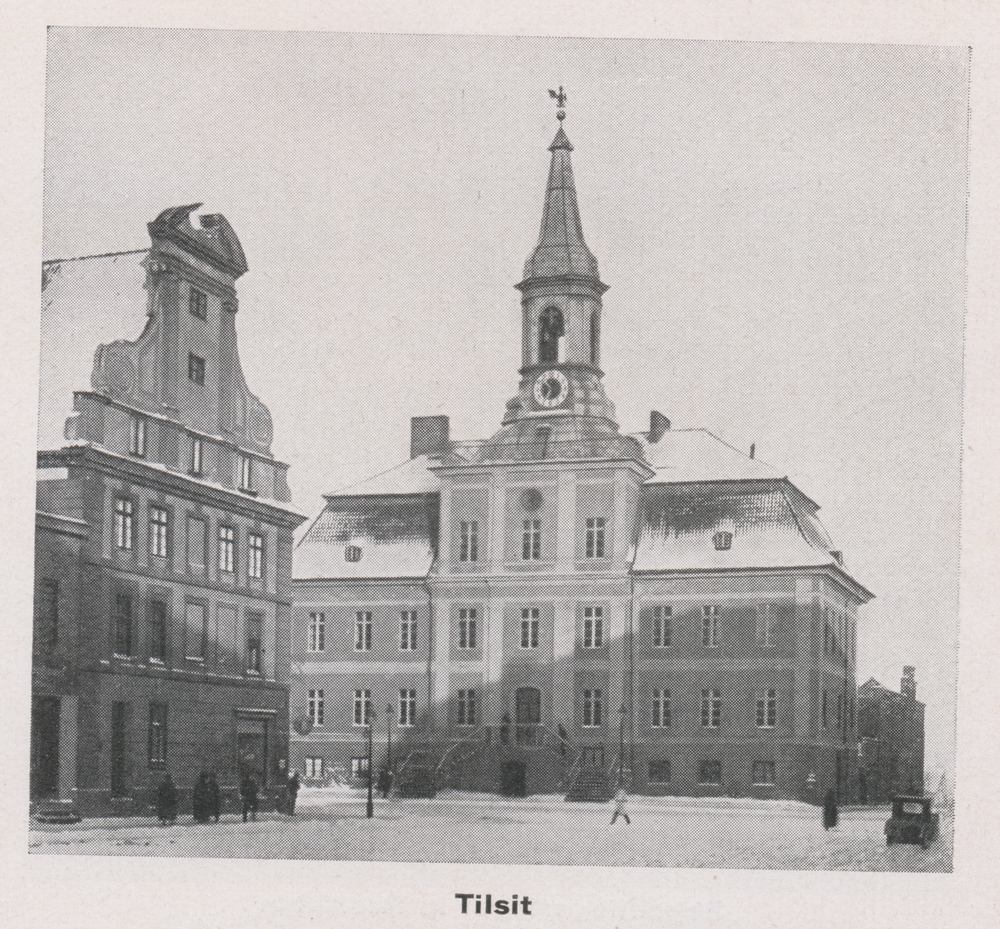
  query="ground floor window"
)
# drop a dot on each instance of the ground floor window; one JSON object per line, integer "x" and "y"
{"x": 407, "y": 707}
{"x": 314, "y": 767}
{"x": 157, "y": 735}
{"x": 763, "y": 772}
{"x": 659, "y": 772}
{"x": 592, "y": 706}
{"x": 710, "y": 772}
{"x": 466, "y": 711}
{"x": 359, "y": 767}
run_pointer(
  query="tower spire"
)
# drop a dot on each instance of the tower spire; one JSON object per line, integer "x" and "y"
{"x": 561, "y": 250}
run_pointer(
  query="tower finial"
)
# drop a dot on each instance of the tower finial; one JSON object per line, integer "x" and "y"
{"x": 560, "y": 99}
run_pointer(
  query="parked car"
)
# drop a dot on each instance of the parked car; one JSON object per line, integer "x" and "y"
{"x": 912, "y": 821}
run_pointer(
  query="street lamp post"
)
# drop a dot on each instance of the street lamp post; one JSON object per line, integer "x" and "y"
{"x": 621, "y": 747}
{"x": 388, "y": 748}
{"x": 371, "y": 723}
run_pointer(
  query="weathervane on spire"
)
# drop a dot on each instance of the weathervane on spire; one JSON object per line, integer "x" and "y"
{"x": 560, "y": 99}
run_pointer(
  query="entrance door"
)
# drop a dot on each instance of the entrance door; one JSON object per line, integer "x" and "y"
{"x": 592, "y": 756}
{"x": 252, "y": 752}
{"x": 44, "y": 747}
{"x": 513, "y": 779}
{"x": 119, "y": 766}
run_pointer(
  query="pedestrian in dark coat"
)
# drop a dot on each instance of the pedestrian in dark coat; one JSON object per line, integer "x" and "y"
{"x": 166, "y": 801}
{"x": 201, "y": 799}
{"x": 214, "y": 801}
{"x": 248, "y": 793}
{"x": 385, "y": 782}
{"x": 830, "y": 815}
{"x": 293, "y": 792}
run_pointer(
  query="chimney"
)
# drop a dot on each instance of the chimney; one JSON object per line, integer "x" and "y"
{"x": 429, "y": 435}
{"x": 908, "y": 686}
{"x": 658, "y": 425}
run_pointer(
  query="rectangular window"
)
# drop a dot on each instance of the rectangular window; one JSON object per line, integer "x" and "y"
{"x": 363, "y": 632}
{"x": 197, "y": 455}
{"x": 593, "y": 627}
{"x": 158, "y": 630}
{"x": 823, "y": 709}
{"x": 662, "y": 626}
{"x": 47, "y": 614}
{"x": 246, "y": 473}
{"x": 196, "y": 543}
{"x": 198, "y": 304}
{"x": 531, "y": 547}
{"x": 255, "y": 635}
{"x": 407, "y": 707}
{"x": 123, "y": 624}
{"x": 468, "y": 546}
{"x": 359, "y": 768}
{"x": 711, "y": 709}
{"x": 765, "y": 624}
{"x": 124, "y": 523}
{"x": 528, "y": 706}
{"x": 659, "y": 772}
{"x": 466, "y": 709}
{"x": 196, "y": 633}
{"x": 316, "y": 707}
{"x": 466, "y": 628}
{"x": 157, "y": 735}
{"x": 137, "y": 436}
{"x": 710, "y": 626}
{"x": 317, "y": 632}
{"x": 255, "y": 555}
{"x": 595, "y": 537}
{"x": 158, "y": 531}
{"x": 763, "y": 772}
{"x": 767, "y": 709}
{"x": 592, "y": 706}
{"x": 661, "y": 709}
{"x": 227, "y": 549}
{"x": 710, "y": 772}
{"x": 408, "y": 631}
{"x": 529, "y": 628}
{"x": 313, "y": 767}
{"x": 196, "y": 368}
{"x": 362, "y": 707}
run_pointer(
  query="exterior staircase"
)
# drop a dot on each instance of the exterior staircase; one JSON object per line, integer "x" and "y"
{"x": 592, "y": 785}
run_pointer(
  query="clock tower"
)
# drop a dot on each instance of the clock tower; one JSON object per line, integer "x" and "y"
{"x": 561, "y": 294}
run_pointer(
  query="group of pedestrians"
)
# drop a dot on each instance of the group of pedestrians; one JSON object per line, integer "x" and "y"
{"x": 206, "y": 801}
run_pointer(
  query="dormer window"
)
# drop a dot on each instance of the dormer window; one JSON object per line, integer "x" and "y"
{"x": 198, "y": 304}
{"x": 352, "y": 553}
{"x": 723, "y": 541}
{"x": 137, "y": 436}
{"x": 246, "y": 473}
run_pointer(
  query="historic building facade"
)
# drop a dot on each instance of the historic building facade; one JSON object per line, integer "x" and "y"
{"x": 563, "y": 606}
{"x": 891, "y": 739}
{"x": 164, "y": 530}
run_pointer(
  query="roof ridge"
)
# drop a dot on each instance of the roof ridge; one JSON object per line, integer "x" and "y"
{"x": 131, "y": 251}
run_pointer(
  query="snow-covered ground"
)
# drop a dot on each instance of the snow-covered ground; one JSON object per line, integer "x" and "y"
{"x": 455, "y": 827}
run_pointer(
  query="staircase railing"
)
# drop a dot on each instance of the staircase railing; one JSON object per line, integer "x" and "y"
{"x": 450, "y": 758}
{"x": 570, "y": 778}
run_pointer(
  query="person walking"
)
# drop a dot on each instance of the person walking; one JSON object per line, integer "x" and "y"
{"x": 293, "y": 792}
{"x": 200, "y": 802}
{"x": 620, "y": 800}
{"x": 249, "y": 795}
{"x": 214, "y": 800}
{"x": 830, "y": 815}
{"x": 166, "y": 801}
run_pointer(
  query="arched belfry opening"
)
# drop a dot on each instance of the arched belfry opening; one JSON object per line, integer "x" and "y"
{"x": 595, "y": 337}
{"x": 551, "y": 332}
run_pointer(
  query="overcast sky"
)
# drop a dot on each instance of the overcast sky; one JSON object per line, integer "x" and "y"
{"x": 782, "y": 228}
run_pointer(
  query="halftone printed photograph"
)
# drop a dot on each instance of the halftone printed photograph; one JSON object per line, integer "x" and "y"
{"x": 499, "y": 450}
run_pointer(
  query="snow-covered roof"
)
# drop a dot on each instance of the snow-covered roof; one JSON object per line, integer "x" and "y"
{"x": 698, "y": 455}
{"x": 372, "y": 536}
{"x": 770, "y": 524}
{"x": 86, "y": 303}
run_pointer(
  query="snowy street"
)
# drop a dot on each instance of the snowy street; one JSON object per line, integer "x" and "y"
{"x": 456, "y": 827}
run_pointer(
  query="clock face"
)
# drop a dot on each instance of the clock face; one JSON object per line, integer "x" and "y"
{"x": 551, "y": 388}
